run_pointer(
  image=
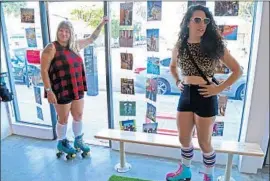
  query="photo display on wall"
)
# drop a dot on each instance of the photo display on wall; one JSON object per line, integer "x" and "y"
{"x": 153, "y": 65}
{"x": 151, "y": 89}
{"x": 126, "y": 38}
{"x": 154, "y": 10}
{"x": 127, "y": 108}
{"x": 226, "y": 8}
{"x": 127, "y": 86}
{"x": 126, "y": 13}
{"x": 229, "y": 32}
{"x": 27, "y": 15}
{"x": 31, "y": 37}
{"x": 152, "y": 40}
{"x": 150, "y": 127}
{"x": 128, "y": 125}
{"x": 126, "y": 61}
{"x": 191, "y": 3}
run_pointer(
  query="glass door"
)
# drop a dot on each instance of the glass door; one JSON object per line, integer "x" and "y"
{"x": 25, "y": 43}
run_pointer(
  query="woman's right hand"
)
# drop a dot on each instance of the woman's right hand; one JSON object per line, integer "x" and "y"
{"x": 51, "y": 97}
{"x": 180, "y": 86}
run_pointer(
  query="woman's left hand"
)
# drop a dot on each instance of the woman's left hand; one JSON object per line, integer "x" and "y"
{"x": 209, "y": 90}
{"x": 104, "y": 20}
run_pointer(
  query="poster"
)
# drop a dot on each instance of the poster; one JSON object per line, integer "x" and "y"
{"x": 126, "y": 38}
{"x": 151, "y": 89}
{"x": 229, "y": 32}
{"x": 39, "y": 113}
{"x": 218, "y": 128}
{"x": 127, "y": 108}
{"x": 127, "y": 86}
{"x": 150, "y": 127}
{"x": 126, "y": 10}
{"x": 128, "y": 125}
{"x": 31, "y": 37}
{"x": 191, "y": 3}
{"x": 222, "y": 104}
{"x": 152, "y": 40}
{"x": 33, "y": 56}
{"x": 154, "y": 10}
{"x": 226, "y": 8}
{"x": 151, "y": 112}
{"x": 126, "y": 61}
{"x": 27, "y": 15}
{"x": 153, "y": 65}
{"x": 37, "y": 92}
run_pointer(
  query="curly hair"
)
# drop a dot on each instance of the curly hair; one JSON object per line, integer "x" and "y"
{"x": 212, "y": 44}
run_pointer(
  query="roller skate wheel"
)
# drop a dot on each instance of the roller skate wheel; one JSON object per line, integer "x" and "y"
{"x": 59, "y": 154}
{"x": 68, "y": 157}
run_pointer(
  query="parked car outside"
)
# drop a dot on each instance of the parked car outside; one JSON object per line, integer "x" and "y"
{"x": 167, "y": 86}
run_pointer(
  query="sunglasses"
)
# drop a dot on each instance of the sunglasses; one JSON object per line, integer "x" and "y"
{"x": 198, "y": 20}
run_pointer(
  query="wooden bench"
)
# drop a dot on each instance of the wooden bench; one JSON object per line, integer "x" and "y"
{"x": 229, "y": 147}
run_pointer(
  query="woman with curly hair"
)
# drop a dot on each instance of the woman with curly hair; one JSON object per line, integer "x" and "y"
{"x": 198, "y": 50}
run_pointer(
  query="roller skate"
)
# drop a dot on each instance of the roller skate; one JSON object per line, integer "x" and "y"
{"x": 207, "y": 177}
{"x": 182, "y": 174}
{"x": 79, "y": 145}
{"x": 63, "y": 146}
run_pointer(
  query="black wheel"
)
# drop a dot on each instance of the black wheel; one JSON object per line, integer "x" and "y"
{"x": 163, "y": 86}
{"x": 240, "y": 93}
{"x": 83, "y": 154}
{"x": 59, "y": 154}
{"x": 68, "y": 157}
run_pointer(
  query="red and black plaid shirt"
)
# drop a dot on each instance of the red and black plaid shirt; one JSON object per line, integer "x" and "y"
{"x": 67, "y": 74}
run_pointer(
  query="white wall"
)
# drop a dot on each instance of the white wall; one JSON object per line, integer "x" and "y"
{"x": 5, "y": 124}
{"x": 256, "y": 111}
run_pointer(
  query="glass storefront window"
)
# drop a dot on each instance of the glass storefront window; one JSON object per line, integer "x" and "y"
{"x": 239, "y": 27}
{"x": 24, "y": 35}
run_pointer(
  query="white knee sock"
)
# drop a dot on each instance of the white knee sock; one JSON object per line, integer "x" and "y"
{"x": 187, "y": 155}
{"x": 61, "y": 130}
{"x": 77, "y": 128}
{"x": 209, "y": 160}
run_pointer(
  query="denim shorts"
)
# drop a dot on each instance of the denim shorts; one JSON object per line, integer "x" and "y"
{"x": 191, "y": 101}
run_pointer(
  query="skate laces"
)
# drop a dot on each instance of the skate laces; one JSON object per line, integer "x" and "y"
{"x": 66, "y": 143}
{"x": 178, "y": 172}
{"x": 206, "y": 176}
{"x": 80, "y": 140}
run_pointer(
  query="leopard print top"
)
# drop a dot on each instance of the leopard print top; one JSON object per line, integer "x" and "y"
{"x": 206, "y": 64}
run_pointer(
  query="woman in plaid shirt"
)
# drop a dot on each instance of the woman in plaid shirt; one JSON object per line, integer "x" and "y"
{"x": 64, "y": 81}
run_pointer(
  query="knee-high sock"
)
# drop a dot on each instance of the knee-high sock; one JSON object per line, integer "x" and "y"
{"x": 187, "y": 155}
{"x": 209, "y": 161}
{"x": 61, "y": 130}
{"x": 77, "y": 128}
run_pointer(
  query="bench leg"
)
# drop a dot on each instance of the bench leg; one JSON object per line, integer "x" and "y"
{"x": 228, "y": 171}
{"x": 123, "y": 166}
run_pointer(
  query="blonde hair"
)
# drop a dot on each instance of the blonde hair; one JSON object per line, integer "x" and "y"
{"x": 72, "y": 43}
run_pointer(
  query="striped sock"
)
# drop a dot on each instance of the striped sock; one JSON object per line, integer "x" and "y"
{"x": 209, "y": 160}
{"x": 187, "y": 155}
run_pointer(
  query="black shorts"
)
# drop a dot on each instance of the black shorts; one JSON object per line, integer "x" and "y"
{"x": 191, "y": 101}
{"x": 67, "y": 100}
